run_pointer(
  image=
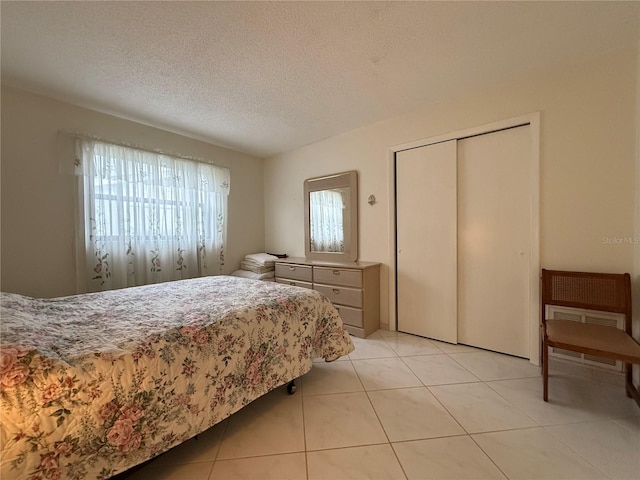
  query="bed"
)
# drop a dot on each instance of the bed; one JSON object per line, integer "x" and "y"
{"x": 93, "y": 384}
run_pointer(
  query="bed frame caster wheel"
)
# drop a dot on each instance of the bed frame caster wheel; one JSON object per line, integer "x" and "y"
{"x": 291, "y": 387}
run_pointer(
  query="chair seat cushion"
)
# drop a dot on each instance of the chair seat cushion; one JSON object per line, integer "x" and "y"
{"x": 608, "y": 342}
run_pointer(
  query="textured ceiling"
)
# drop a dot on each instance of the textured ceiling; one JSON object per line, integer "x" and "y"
{"x": 268, "y": 77}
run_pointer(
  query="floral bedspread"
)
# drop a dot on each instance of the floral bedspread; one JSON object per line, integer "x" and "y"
{"x": 91, "y": 385}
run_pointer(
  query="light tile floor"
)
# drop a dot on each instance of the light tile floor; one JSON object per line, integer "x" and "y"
{"x": 404, "y": 407}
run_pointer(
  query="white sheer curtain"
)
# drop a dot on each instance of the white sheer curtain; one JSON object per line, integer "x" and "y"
{"x": 145, "y": 217}
{"x": 327, "y": 224}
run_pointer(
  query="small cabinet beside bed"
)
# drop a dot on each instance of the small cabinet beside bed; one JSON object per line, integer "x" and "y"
{"x": 353, "y": 287}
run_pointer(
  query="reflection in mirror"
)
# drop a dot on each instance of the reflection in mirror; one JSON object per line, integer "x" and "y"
{"x": 327, "y": 220}
{"x": 331, "y": 222}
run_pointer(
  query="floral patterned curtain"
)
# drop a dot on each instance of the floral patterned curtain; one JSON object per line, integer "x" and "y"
{"x": 146, "y": 217}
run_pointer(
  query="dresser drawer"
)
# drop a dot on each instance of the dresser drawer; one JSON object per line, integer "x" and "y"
{"x": 338, "y": 276}
{"x": 294, "y": 272}
{"x": 295, "y": 283}
{"x": 350, "y": 316}
{"x": 341, "y": 295}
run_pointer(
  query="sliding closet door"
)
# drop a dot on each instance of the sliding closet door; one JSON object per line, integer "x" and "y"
{"x": 494, "y": 235}
{"x": 426, "y": 241}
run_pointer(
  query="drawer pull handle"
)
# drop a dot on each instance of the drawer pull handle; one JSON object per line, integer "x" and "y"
{"x": 292, "y": 283}
{"x": 292, "y": 268}
{"x": 336, "y": 272}
{"x": 336, "y": 291}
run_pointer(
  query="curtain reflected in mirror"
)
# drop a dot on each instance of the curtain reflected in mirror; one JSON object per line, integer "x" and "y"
{"x": 331, "y": 217}
{"x": 327, "y": 227}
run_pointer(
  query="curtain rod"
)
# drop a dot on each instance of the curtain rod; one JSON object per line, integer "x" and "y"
{"x": 90, "y": 136}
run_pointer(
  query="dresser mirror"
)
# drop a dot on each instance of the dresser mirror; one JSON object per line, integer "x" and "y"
{"x": 331, "y": 217}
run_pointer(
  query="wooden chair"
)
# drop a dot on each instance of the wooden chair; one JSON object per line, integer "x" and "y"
{"x": 604, "y": 292}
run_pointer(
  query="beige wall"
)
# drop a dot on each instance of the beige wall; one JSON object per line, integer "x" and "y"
{"x": 588, "y": 156}
{"x": 38, "y": 201}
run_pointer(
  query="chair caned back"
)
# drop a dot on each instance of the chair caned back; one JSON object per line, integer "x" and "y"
{"x": 608, "y": 292}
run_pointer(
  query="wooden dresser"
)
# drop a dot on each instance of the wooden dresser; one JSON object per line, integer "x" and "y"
{"x": 353, "y": 287}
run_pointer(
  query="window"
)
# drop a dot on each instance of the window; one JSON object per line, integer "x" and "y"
{"x": 146, "y": 217}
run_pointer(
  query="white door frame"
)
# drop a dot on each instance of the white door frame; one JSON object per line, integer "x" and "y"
{"x": 531, "y": 119}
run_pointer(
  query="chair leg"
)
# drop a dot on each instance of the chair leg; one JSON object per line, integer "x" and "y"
{"x": 545, "y": 371}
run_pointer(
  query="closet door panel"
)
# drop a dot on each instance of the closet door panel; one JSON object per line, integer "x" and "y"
{"x": 426, "y": 241}
{"x": 494, "y": 225}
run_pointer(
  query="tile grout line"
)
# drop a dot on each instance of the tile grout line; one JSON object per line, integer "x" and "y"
{"x": 470, "y": 435}
{"x": 509, "y": 401}
{"x": 304, "y": 429}
{"x": 222, "y": 435}
{"x": 433, "y": 394}
{"x": 546, "y": 429}
{"x": 466, "y": 434}
{"x": 489, "y": 457}
{"x": 210, "y": 475}
{"x": 436, "y": 397}
{"x": 380, "y": 422}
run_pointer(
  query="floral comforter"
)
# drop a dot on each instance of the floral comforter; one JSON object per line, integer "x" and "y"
{"x": 91, "y": 385}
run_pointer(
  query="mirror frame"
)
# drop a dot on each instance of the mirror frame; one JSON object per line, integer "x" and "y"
{"x": 338, "y": 180}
